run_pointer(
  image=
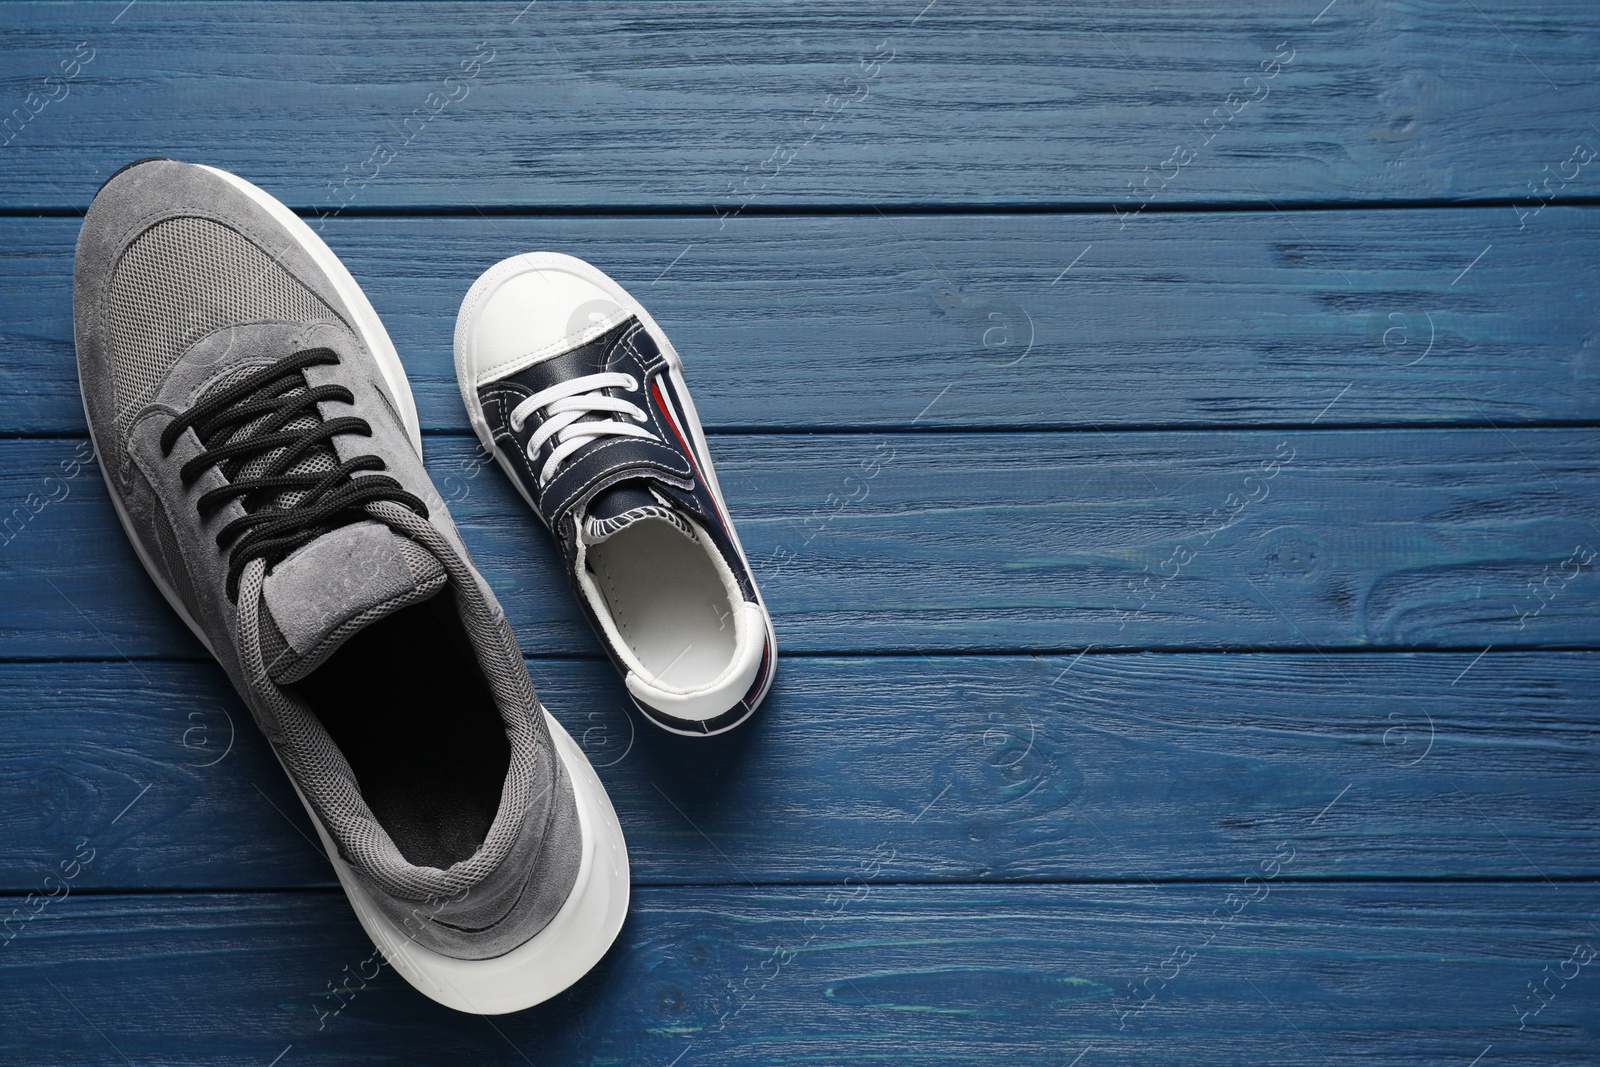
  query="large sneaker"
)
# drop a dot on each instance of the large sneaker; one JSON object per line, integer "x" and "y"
{"x": 258, "y": 438}
{"x": 579, "y": 395}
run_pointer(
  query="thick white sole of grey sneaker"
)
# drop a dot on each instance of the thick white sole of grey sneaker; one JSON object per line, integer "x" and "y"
{"x": 553, "y": 959}
{"x": 588, "y": 922}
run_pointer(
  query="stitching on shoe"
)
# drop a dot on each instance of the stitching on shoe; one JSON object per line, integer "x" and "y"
{"x": 612, "y": 604}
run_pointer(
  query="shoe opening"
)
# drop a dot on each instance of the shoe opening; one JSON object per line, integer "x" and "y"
{"x": 668, "y": 601}
{"x": 406, "y": 701}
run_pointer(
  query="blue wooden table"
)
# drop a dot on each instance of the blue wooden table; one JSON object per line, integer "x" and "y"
{"x": 1166, "y": 437}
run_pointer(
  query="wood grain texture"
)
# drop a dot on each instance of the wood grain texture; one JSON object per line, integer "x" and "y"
{"x": 1223, "y": 319}
{"x": 1305, "y": 974}
{"x": 776, "y": 104}
{"x": 970, "y": 769}
{"x": 1310, "y": 481}
{"x": 955, "y": 542}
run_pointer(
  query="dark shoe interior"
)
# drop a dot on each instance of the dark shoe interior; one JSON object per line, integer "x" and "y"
{"x": 406, "y": 702}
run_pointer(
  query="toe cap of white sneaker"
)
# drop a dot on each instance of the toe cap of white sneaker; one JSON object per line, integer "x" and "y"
{"x": 531, "y": 309}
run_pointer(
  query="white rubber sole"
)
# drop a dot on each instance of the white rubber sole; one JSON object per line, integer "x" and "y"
{"x": 588, "y": 922}
{"x": 567, "y": 948}
{"x": 466, "y": 381}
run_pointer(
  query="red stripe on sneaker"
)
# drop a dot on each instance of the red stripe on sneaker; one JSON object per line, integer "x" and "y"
{"x": 666, "y": 413}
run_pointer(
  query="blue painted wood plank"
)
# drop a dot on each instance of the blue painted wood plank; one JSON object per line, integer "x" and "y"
{"x": 751, "y": 105}
{"x": 1222, "y": 319}
{"x": 1296, "y": 974}
{"x": 1287, "y": 539}
{"x": 991, "y": 769}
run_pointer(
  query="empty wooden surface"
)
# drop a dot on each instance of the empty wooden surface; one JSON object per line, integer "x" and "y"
{"x": 868, "y": 972}
{"x": 1243, "y": 318}
{"x": 983, "y": 768}
{"x": 759, "y": 106}
{"x": 1180, "y": 525}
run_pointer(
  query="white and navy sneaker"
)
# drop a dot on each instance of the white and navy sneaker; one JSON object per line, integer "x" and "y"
{"x": 261, "y": 448}
{"x": 580, "y": 397}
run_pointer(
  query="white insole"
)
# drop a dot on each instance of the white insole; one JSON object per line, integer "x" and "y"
{"x": 667, "y": 601}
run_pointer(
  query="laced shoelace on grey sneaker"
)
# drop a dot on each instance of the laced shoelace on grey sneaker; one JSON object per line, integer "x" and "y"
{"x": 271, "y": 416}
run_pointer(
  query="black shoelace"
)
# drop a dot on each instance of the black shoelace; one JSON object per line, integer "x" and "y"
{"x": 266, "y": 402}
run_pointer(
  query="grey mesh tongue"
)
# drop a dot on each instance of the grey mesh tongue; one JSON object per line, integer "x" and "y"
{"x": 344, "y": 581}
{"x": 316, "y": 460}
{"x": 622, "y": 505}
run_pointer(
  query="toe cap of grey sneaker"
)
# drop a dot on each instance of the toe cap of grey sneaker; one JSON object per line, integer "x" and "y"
{"x": 168, "y": 253}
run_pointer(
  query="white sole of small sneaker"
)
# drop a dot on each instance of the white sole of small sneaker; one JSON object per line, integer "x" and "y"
{"x": 466, "y": 377}
{"x": 588, "y": 922}
{"x": 569, "y": 946}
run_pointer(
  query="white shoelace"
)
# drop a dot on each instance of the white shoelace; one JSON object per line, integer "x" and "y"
{"x": 571, "y": 401}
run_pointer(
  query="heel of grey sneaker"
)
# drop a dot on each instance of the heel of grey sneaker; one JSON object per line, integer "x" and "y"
{"x": 563, "y": 951}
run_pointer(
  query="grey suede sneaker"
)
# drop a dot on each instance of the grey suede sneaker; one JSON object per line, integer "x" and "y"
{"x": 259, "y": 441}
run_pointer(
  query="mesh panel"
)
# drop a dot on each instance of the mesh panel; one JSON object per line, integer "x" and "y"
{"x": 274, "y": 646}
{"x": 180, "y": 280}
{"x": 318, "y": 460}
{"x": 422, "y": 564}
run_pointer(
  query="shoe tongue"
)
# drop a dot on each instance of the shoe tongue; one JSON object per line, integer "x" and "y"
{"x": 620, "y": 506}
{"x": 319, "y": 459}
{"x": 344, "y": 581}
